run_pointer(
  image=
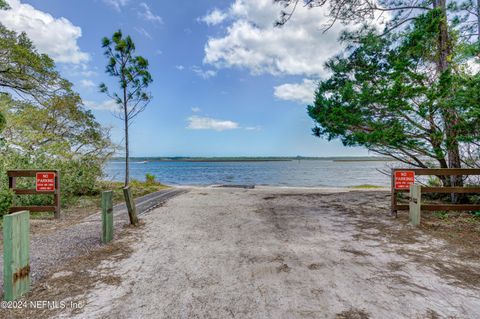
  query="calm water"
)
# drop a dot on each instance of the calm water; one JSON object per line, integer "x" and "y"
{"x": 308, "y": 173}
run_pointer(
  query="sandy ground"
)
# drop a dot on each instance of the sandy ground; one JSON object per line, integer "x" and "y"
{"x": 277, "y": 253}
{"x": 55, "y": 242}
{"x": 280, "y": 253}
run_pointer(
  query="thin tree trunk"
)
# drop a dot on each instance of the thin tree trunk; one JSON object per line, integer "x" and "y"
{"x": 127, "y": 153}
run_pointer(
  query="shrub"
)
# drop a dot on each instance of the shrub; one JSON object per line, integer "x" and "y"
{"x": 77, "y": 176}
{"x": 150, "y": 179}
{"x": 6, "y": 201}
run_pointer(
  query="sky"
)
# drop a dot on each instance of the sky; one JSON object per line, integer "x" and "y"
{"x": 226, "y": 81}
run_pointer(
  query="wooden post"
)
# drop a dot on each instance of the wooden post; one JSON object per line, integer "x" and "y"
{"x": 415, "y": 204}
{"x": 393, "y": 209}
{"x": 107, "y": 217}
{"x": 57, "y": 202}
{"x": 16, "y": 255}
{"x": 132, "y": 210}
{"x": 12, "y": 184}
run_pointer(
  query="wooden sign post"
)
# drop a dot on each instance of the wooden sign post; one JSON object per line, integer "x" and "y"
{"x": 415, "y": 204}
{"x": 16, "y": 255}
{"x": 46, "y": 182}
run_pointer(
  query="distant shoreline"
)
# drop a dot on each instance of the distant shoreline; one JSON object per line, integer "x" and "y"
{"x": 251, "y": 159}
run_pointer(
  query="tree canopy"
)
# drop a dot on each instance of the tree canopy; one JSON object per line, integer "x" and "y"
{"x": 385, "y": 94}
{"x": 60, "y": 128}
{"x": 4, "y": 5}
{"x": 26, "y": 72}
{"x": 401, "y": 90}
{"x": 45, "y": 123}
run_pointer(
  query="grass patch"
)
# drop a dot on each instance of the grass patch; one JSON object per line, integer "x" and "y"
{"x": 366, "y": 186}
{"x": 138, "y": 189}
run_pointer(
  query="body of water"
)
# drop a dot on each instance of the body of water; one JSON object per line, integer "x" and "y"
{"x": 306, "y": 173}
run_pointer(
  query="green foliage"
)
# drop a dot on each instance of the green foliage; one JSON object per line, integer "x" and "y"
{"x": 150, "y": 179}
{"x": 441, "y": 215}
{"x": 387, "y": 96}
{"x": 48, "y": 128}
{"x": 25, "y": 71}
{"x": 366, "y": 186}
{"x": 78, "y": 177}
{"x": 2, "y": 121}
{"x": 6, "y": 201}
{"x": 57, "y": 135}
{"x": 4, "y": 5}
{"x": 60, "y": 128}
{"x": 131, "y": 72}
{"x": 434, "y": 181}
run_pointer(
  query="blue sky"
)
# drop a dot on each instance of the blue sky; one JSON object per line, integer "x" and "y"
{"x": 226, "y": 83}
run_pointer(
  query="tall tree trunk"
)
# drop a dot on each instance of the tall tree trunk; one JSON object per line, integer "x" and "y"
{"x": 450, "y": 116}
{"x": 127, "y": 153}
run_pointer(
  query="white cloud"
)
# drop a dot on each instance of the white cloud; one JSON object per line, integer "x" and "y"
{"x": 87, "y": 83}
{"x": 143, "y": 32}
{"x": 204, "y": 74}
{"x": 196, "y": 109}
{"x": 88, "y": 73}
{"x": 253, "y": 128}
{"x": 298, "y": 92}
{"x": 109, "y": 105}
{"x": 147, "y": 14}
{"x": 116, "y": 4}
{"x": 78, "y": 70}
{"x": 179, "y": 67}
{"x": 214, "y": 17}
{"x": 253, "y": 42}
{"x": 206, "y": 123}
{"x": 473, "y": 65}
{"x": 55, "y": 37}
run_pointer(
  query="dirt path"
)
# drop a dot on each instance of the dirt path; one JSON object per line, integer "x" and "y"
{"x": 278, "y": 253}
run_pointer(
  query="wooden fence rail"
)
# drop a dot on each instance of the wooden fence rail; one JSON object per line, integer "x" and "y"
{"x": 12, "y": 184}
{"x": 395, "y": 207}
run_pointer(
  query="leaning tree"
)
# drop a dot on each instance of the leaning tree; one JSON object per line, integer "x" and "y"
{"x": 133, "y": 78}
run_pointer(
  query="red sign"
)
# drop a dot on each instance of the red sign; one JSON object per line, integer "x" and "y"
{"x": 403, "y": 179}
{"x": 45, "y": 182}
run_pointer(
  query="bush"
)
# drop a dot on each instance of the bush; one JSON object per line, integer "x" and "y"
{"x": 150, "y": 179}
{"x": 78, "y": 177}
{"x": 6, "y": 201}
